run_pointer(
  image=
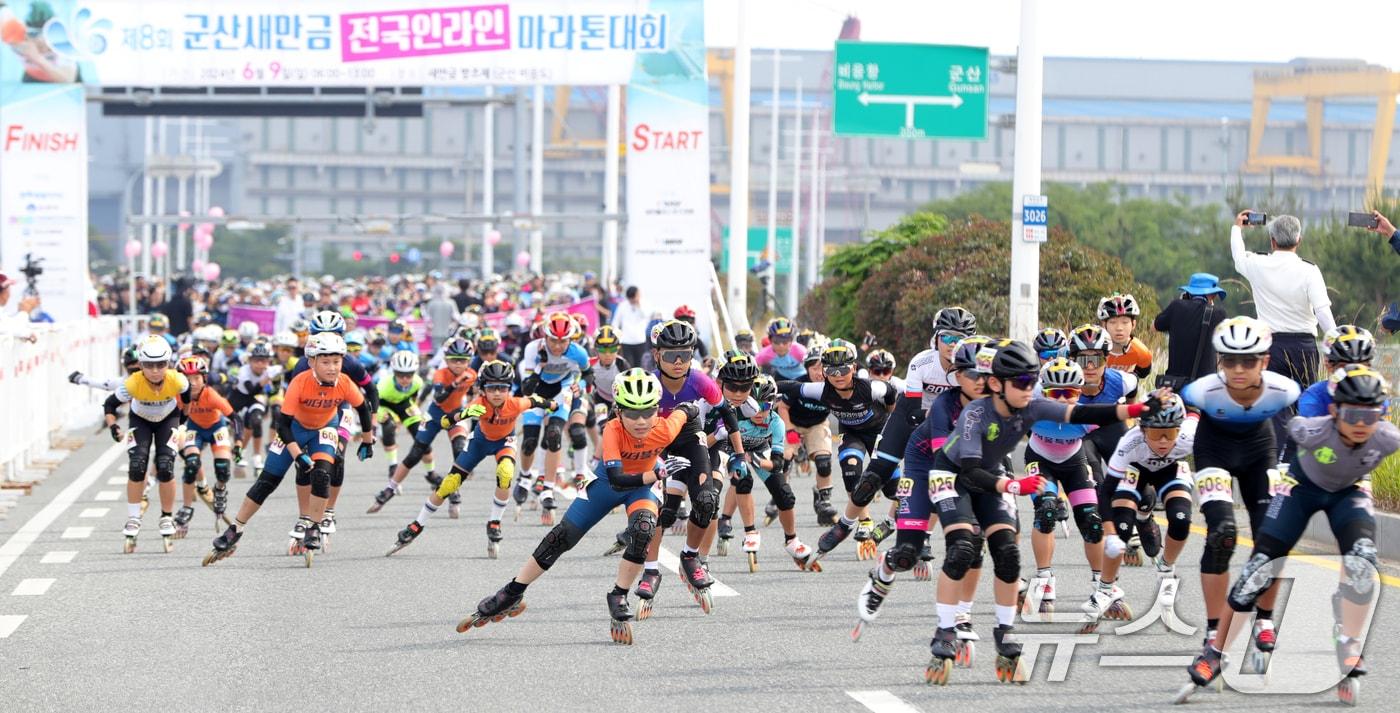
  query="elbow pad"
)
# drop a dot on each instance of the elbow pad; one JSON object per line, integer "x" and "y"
{"x": 728, "y": 417}
{"x": 980, "y": 479}
{"x": 284, "y": 427}
{"x": 1094, "y": 414}
{"x": 110, "y": 405}
{"x": 366, "y": 416}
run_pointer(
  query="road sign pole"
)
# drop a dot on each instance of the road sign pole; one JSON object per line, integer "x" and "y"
{"x": 771, "y": 250}
{"x": 537, "y": 180}
{"x": 488, "y": 187}
{"x": 737, "y": 273}
{"x": 813, "y": 257}
{"x": 796, "y": 202}
{"x": 610, "y": 184}
{"x": 1025, "y": 255}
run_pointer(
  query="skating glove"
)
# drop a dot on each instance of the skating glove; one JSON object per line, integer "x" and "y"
{"x": 792, "y": 438}
{"x": 474, "y": 411}
{"x": 116, "y": 432}
{"x": 448, "y": 419}
{"x": 237, "y": 453}
{"x": 530, "y": 385}
{"x": 1025, "y": 486}
{"x": 676, "y": 464}
{"x": 303, "y": 463}
{"x": 739, "y": 471}
{"x": 365, "y": 451}
{"x": 691, "y": 411}
{"x": 75, "y": 378}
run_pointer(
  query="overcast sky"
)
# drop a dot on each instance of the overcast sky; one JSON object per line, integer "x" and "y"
{"x": 1249, "y": 30}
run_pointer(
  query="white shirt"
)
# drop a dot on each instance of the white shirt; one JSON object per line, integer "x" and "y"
{"x": 288, "y": 310}
{"x": 631, "y": 323}
{"x": 1289, "y": 294}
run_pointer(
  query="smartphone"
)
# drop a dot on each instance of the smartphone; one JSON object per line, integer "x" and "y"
{"x": 1256, "y": 218}
{"x": 1363, "y": 220}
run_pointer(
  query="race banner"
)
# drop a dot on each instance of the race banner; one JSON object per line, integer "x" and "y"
{"x": 43, "y": 193}
{"x": 668, "y": 168}
{"x": 311, "y": 43}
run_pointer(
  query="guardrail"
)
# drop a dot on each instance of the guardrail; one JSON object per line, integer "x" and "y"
{"x": 36, "y": 400}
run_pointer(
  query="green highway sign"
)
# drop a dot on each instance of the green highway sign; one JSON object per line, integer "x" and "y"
{"x": 758, "y": 241}
{"x": 910, "y": 91}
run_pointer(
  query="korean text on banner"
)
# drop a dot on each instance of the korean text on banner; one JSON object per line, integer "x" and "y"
{"x": 43, "y": 191}
{"x": 668, "y": 167}
{"x": 331, "y": 42}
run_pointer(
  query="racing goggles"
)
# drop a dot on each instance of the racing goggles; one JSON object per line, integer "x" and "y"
{"x": 1023, "y": 382}
{"x": 496, "y": 387}
{"x": 1359, "y": 415}
{"x": 948, "y": 339}
{"x": 1239, "y": 361}
{"x": 838, "y": 370}
{"x": 632, "y": 414}
{"x": 1091, "y": 361}
{"x": 738, "y": 387}
{"x": 676, "y": 356}
{"x": 780, "y": 339}
{"x": 882, "y": 372}
{"x": 1061, "y": 392}
{"x": 1049, "y": 354}
{"x": 608, "y": 349}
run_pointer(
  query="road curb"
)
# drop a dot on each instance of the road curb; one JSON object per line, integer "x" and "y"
{"x": 1387, "y": 534}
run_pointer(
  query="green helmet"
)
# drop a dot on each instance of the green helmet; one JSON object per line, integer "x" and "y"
{"x": 636, "y": 389}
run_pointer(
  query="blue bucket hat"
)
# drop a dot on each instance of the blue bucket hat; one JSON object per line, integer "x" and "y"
{"x": 1203, "y": 284}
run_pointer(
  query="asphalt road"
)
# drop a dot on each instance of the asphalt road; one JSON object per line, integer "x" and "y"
{"x": 84, "y": 627}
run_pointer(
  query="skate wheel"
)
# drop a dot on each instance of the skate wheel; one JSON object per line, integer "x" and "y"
{"x": 454, "y": 512}
{"x": 467, "y": 623}
{"x": 622, "y": 632}
{"x": 722, "y": 548}
{"x": 1132, "y": 558}
{"x": 644, "y": 610}
{"x": 517, "y": 610}
{"x": 180, "y": 534}
{"x": 1120, "y": 611}
{"x": 1185, "y": 693}
{"x": 1258, "y": 663}
{"x": 129, "y": 546}
{"x": 938, "y": 671}
{"x": 966, "y": 654}
{"x": 857, "y": 631}
{"x": 168, "y": 542}
{"x": 753, "y": 562}
{"x": 1089, "y": 627}
{"x": 325, "y": 543}
{"x": 706, "y": 602}
{"x": 867, "y": 550}
{"x": 1047, "y": 606}
{"x": 309, "y": 555}
{"x": 547, "y": 518}
{"x": 210, "y": 558}
{"x": 1009, "y": 670}
{"x": 492, "y": 550}
{"x": 1349, "y": 690}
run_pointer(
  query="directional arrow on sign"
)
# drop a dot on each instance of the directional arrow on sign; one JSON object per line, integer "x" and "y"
{"x": 909, "y": 101}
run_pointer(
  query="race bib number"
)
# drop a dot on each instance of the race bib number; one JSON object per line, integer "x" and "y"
{"x": 277, "y": 446}
{"x": 328, "y": 437}
{"x": 129, "y": 440}
{"x": 179, "y": 438}
{"x": 904, "y": 488}
{"x": 413, "y": 410}
{"x": 1364, "y": 486}
{"x": 221, "y": 437}
{"x": 1214, "y": 485}
{"x": 941, "y": 485}
{"x": 1280, "y": 482}
{"x": 1130, "y": 479}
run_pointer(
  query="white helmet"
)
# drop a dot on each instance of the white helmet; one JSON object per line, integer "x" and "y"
{"x": 154, "y": 350}
{"x": 285, "y": 338}
{"x": 325, "y": 343}
{"x": 404, "y": 363}
{"x": 248, "y": 331}
{"x": 470, "y": 320}
{"x": 328, "y": 321}
{"x": 1242, "y": 335}
{"x": 1061, "y": 373}
{"x": 208, "y": 333}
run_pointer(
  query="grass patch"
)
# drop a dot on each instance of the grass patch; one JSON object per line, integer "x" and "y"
{"x": 1385, "y": 479}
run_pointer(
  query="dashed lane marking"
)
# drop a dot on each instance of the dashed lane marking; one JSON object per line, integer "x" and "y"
{"x": 34, "y": 587}
{"x": 30, "y": 531}
{"x": 882, "y": 702}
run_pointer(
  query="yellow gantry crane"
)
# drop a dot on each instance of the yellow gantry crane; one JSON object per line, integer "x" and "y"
{"x": 1314, "y": 85}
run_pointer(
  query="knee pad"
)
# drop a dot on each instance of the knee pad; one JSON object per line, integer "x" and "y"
{"x": 256, "y": 427}
{"x": 1090, "y": 523}
{"x": 529, "y": 439}
{"x": 553, "y": 438}
{"x": 556, "y": 542}
{"x": 902, "y": 557}
{"x": 1178, "y": 512}
{"x": 578, "y": 436}
{"x": 641, "y": 527}
{"x": 1045, "y": 513}
{"x": 136, "y": 462}
{"x": 303, "y": 479}
{"x": 223, "y": 469}
{"x": 784, "y": 498}
{"x": 321, "y": 479}
{"x": 416, "y": 453}
{"x": 1006, "y": 556}
{"x": 1359, "y": 568}
{"x": 670, "y": 505}
{"x": 165, "y": 467}
{"x": 459, "y": 444}
{"x": 823, "y": 463}
{"x": 866, "y": 488}
{"x": 451, "y": 483}
{"x": 338, "y": 473}
{"x": 191, "y": 468}
{"x": 1254, "y": 579}
{"x": 960, "y": 549}
{"x": 1220, "y": 537}
{"x": 1146, "y": 503}
{"x": 263, "y": 487}
{"x": 744, "y": 486}
{"x": 851, "y": 464}
{"x": 390, "y": 438}
{"x": 705, "y": 505}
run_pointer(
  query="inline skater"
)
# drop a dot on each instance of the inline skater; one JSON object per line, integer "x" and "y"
{"x": 781, "y": 358}
{"x": 1050, "y": 343}
{"x": 632, "y": 444}
{"x": 1347, "y": 344}
{"x": 250, "y": 390}
{"x": 805, "y": 421}
{"x": 736, "y": 376}
{"x": 208, "y": 421}
{"x": 398, "y": 407}
{"x": 1118, "y": 315}
{"x": 552, "y": 366}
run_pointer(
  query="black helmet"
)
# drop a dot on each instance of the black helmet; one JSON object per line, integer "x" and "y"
{"x": 1013, "y": 358}
{"x": 260, "y": 349}
{"x": 1087, "y": 338}
{"x": 1171, "y": 415}
{"x": 1358, "y": 384}
{"x": 1050, "y": 339}
{"x": 965, "y": 357}
{"x": 880, "y": 360}
{"x": 496, "y": 372}
{"x": 738, "y": 368}
{"x": 765, "y": 390}
{"x": 838, "y": 353}
{"x": 956, "y": 320}
{"x": 1351, "y": 344}
{"x": 488, "y": 342}
{"x": 675, "y": 334}
{"x": 458, "y": 348}
{"x": 130, "y": 357}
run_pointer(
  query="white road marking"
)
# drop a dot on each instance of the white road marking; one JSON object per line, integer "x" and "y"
{"x": 1145, "y": 661}
{"x": 58, "y": 557}
{"x": 32, "y": 587}
{"x": 108, "y": 496}
{"x": 30, "y": 531}
{"x": 76, "y": 533}
{"x": 882, "y": 702}
{"x": 116, "y": 480}
{"x": 10, "y": 622}
{"x": 670, "y": 561}
{"x": 94, "y": 512}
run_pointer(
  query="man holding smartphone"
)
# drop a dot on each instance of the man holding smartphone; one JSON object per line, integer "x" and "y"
{"x": 1380, "y": 225}
{"x": 1289, "y": 296}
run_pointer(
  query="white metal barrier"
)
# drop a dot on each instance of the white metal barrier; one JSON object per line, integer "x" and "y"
{"x": 36, "y": 400}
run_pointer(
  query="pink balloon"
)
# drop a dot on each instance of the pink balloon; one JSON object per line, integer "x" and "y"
{"x": 216, "y": 211}
{"x": 493, "y": 237}
{"x": 184, "y": 214}
{"x": 206, "y": 228}
{"x": 132, "y": 248}
{"x": 197, "y": 266}
{"x": 203, "y": 240}
{"x": 211, "y": 272}
{"x": 523, "y": 258}
{"x": 446, "y": 248}
{"x": 159, "y": 249}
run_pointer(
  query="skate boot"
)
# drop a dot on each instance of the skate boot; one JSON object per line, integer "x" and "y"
{"x": 392, "y": 467}
{"x": 682, "y": 517}
{"x": 433, "y": 479}
{"x": 547, "y": 508}
{"x": 224, "y": 546}
{"x": 647, "y": 587}
{"x": 923, "y": 571}
{"x": 1353, "y": 667}
{"x": 1150, "y": 537}
{"x": 382, "y": 498}
{"x": 182, "y": 521}
{"x": 406, "y": 537}
{"x": 619, "y": 544}
{"x": 868, "y": 602}
{"x": 1205, "y": 670}
{"x": 751, "y": 543}
{"x": 726, "y": 533}
{"x": 821, "y": 503}
{"x": 1040, "y": 595}
{"x": 944, "y": 648}
{"x": 697, "y": 580}
{"x": 967, "y": 638}
{"x": 802, "y": 555}
{"x": 132, "y": 529}
{"x": 496, "y": 607}
{"x": 146, "y": 497}
{"x": 167, "y": 532}
{"x": 882, "y": 530}
{"x": 296, "y": 539}
{"x": 1105, "y": 603}
{"x": 205, "y": 495}
{"x": 1132, "y": 554}
{"x": 454, "y": 505}
{"x": 220, "y": 504}
{"x": 831, "y": 539}
{"x": 493, "y": 539}
{"x": 770, "y": 513}
{"x": 621, "y": 618}
{"x": 1262, "y": 642}
{"x": 312, "y": 543}
{"x": 328, "y": 523}
{"x": 866, "y": 549}
{"x": 1008, "y": 655}
{"x": 520, "y": 492}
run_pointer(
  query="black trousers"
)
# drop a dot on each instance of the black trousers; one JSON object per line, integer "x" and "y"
{"x": 635, "y": 354}
{"x": 1293, "y": 354}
